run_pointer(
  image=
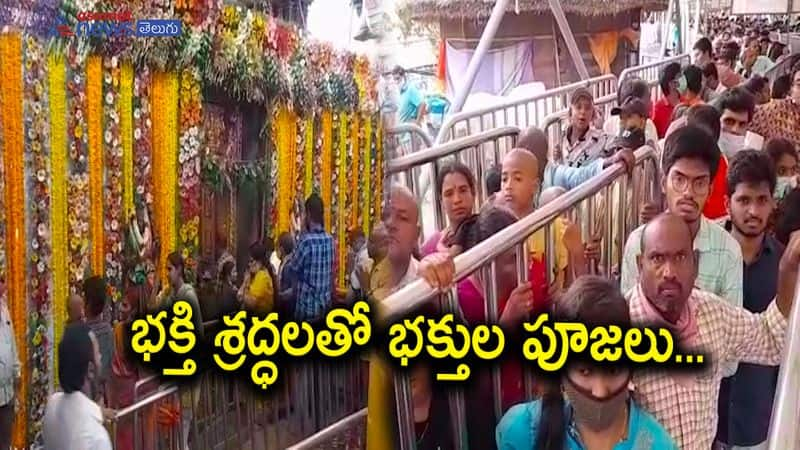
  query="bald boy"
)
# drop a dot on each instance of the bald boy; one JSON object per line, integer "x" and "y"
{"x": 75, "y": 309}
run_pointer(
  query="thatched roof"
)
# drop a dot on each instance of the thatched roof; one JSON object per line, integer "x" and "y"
{"x": 434, "y": 10}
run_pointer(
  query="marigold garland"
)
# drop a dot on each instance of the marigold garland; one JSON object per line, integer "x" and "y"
{"x": 366, "y": 207}
{"x": 58, "y": 202}
{"x": 78, "y": 187}
{"x": 171, "y": 163}
{"x": 94, "y": 98}
{"x": 13, "y": 162}
{"x": 380, "y": 182}
{"x": 114, "y": 217}
{"x": 308, "y": 158}
{"x": 355, "y": 178}
{"x": 38, "y": 171}
{"x": 326, "y": 178}
{"x": 189, "y": 159}
{"x": 126, "y": 132}
{"x": 285, "y": 134}
{"x": 341, "y": 239}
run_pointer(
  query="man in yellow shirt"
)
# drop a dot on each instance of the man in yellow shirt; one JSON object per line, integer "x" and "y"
{"x": 257, "y": 291}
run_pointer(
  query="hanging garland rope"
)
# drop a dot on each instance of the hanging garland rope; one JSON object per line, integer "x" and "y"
{"x": 326, "y": 178}
{"x": 341, "y": 236}
{"x": 58, "y": 202}
{"x": 366, "y": 209}
{"x": 38, "y": 171}
{"x": 94, "y": 97}
{"x": 355, "y": 175}
{"x": 78, "y": 187}
{"x": 126, "y": 133}
{"x": 114, "y": 217}
{"x": 189, "y": 159}
{"x": 13, "y": 162}
{"x": 308, "y": 157}
{"x": 380, "y": 182}
{"x": 142, "y": 150}
{"x": 285, "y": 132}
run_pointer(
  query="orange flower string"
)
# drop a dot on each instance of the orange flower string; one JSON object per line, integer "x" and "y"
{"x": 13, "y": 162}
{"x": 379, "y": 181}
{"x": 355, "y": 177}
{"x": 126, "y": 132}
{"x": 94, "y": 97}
{"x": 327, "y": 172}
{"x": 308, "y": 158}
{"x": 341, "y": 240}
{"x": 365, "y": 214}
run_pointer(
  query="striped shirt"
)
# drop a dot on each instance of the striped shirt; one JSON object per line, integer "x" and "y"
{"x": 688, "y": 409}
{"x": 720, "y": 265}
{"x": 312, "y": 266}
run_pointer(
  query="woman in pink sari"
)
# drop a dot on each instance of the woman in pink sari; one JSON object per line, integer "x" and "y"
{"x": 456, "y": 186}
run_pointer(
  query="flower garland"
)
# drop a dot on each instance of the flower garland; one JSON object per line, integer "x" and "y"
{"x": 326, "y": 171}
{"x": 58, "y": 202}
{"x": 142, "y": 151}
{"x": 341, "y": 232}
{"x": 369, "y": 158}
{"x": 38, "y": 169}
{"x": 94, "y": 97}
{"x": 272, "y": 168}
{"x": 78, "y": 187}
{"x": 380, "y": 181}
{"x": 114, "y": 214}
{"x": 13, "y": 162}
{"x": 308, "y": 157}
{"x": 285, "y": 134}
{"x": 189, "y": 158}
{"x": 355, "y": 172}
{"x": 165, "y": 140}
{"x": 126, "y": 130}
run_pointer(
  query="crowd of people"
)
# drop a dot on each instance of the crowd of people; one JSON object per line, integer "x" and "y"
{"x": 715, "y": 261}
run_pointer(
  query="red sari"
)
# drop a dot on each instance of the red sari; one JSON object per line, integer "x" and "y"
{"x": 472, "y": 303}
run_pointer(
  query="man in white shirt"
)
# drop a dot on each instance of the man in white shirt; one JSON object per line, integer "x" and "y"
{"x": 9, "y": 372}
{"x": 72, "y": 421}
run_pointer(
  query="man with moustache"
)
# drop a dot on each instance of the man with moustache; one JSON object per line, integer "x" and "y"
{"x": 689, "y": 163}
{"x": 701, "y": 323}
{"x": 745, "y": 399}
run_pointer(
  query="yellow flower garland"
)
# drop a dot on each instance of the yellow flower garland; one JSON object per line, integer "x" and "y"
{"x": 367, "y": 174}
{"x": 94, "y": 98}
{"x": 126, "y": 130}
{"x": 354, "y": 172}
{"x": 327, "y": 169}
{"x": 13, "y": 160}
{"x": 341, "y": 240}
{"x": 165, "y": 153}
{"x": 285, "y": 135}
{"x": 379, "y": 181}
{"x": 58, "y": 200}
{"x": 308, "y": 158}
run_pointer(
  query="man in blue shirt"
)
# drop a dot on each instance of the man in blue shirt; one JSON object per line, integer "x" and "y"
{"x": 411, "y": 105}
{"x": 745, "y": 399}
{"x": 311, "y": 265}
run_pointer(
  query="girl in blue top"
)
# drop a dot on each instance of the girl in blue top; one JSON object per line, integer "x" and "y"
{"x": 595, "y": 411}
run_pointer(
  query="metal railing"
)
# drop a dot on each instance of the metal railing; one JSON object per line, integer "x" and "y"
{"x": 784, "y": 434}
{"x": 477, "y": 151}
{"x": 221, "y": 412}
{"x": 650, "y": 72}
{"x": 607, "y": 206}
{"x": 407, "y": 138}
{"x": 523, "y": 112}
{"x": 782, "y": 67}
{"x": 351, "y": 430}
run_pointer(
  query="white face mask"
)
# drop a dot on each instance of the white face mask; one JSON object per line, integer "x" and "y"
{"x": 783, "y": 186}
{"x": 730, "y": 144}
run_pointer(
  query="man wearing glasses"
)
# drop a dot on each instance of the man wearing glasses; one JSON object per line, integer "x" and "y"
{"x": 690, "y": 161}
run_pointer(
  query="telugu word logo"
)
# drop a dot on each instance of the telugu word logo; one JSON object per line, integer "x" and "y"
{"x": 115, "y": 24}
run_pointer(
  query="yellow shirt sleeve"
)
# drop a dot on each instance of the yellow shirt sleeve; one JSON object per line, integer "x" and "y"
{"x": 261, "y": 290}
{"x": 537, "y": 245}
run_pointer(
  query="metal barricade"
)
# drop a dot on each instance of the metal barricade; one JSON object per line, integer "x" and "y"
{"x": 602, "y": 204}
{"x": 222, "y": 412}
{"x": 406, "y": 138}
{"x": 784, "y": 434}
{"x": 477, "y": 151}
{"x": 650, "y": 72}
{"x": 522, "y": 112}
{"x": 351, "y": 431}
{"x": 783, "y": 67}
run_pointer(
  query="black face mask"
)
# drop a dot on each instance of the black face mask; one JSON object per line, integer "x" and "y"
{"x": 596, "y": 413}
